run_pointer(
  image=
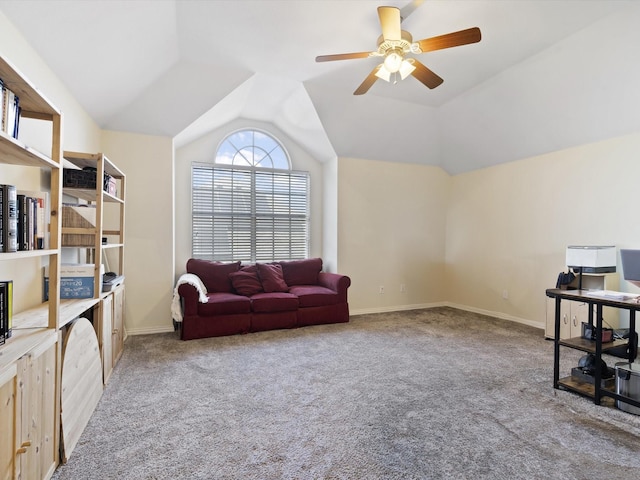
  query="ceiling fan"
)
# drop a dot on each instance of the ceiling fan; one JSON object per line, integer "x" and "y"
{"x": 395, "y": 44}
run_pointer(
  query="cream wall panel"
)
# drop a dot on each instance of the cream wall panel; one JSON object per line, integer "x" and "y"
{"x": 508, "y": 226}
{"x": 80, "y": 132}
{"x": 391, "y": 224}
{"x": 147, "y": 162}
{"x": 330, "y": 217}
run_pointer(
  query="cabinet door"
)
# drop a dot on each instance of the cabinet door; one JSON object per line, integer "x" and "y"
{"x": 579, "y": 314}
{"x": 565, "y": 319}
{"x": 8, "y": 387}
{"x": 106, "y": 337}
{"x": 37, "y": 456}
{"x": 117, "y": 336}
{"x": 572, "y": 314}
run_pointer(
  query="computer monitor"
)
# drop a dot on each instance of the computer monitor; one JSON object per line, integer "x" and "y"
{"x": 631, "y": 265}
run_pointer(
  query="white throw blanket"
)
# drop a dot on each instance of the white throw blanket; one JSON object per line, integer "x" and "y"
{"x": 191, "y": 279}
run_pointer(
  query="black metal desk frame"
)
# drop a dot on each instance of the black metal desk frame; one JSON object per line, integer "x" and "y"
{"x": 599, "y": 302}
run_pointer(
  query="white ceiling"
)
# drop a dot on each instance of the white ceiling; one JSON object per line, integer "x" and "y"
{"x": 547, "y": 74}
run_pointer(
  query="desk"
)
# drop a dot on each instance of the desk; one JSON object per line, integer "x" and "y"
{"x": 596, "y": 391}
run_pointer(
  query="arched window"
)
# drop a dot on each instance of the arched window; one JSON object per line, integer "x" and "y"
{"x": 249, "y": 205}
{"x": 252, "y": 148}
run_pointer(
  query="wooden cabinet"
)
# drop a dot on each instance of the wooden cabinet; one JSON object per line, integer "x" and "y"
{"x": 102, "y": 240}
{"x": 572, "y": 314}
{"x": 8, "y": 421}
{"x": 118, "y": 333}
{"x": 101, "y": 237}
{"x": 29, "y": 424}
{"x": 111, "y": 328}
{"x": 30, "y": 358}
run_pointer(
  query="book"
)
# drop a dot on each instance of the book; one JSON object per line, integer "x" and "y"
{"x": 23, "y": 218}
{"x": 9, "y": 217}
{"x": 9, "y": 111}
{"x": 41, "y": 217}
{"x": 6, "y": 309}
{"x": 4, "y": 98}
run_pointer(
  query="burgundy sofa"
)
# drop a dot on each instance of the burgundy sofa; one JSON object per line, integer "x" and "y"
{"x": 264, "y": 296}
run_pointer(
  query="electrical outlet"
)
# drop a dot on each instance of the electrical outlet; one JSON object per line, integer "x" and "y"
{"x": 403, "y": 288}
{"x": 505, "y": 294}
{"x": 381, "y": 289}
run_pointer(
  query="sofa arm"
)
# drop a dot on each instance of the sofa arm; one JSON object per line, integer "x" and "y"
{"x": 336, "y": 282}
{"x": 190, "y": 296}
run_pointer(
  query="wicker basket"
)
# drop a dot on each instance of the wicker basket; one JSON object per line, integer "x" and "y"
{"x": 78, "y": 217}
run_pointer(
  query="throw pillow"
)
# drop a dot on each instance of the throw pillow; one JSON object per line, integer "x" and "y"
{"x": 302, "y": 272}
{"x": 214, "y": 275}
{"x": 246, "y": 281}
{"x": 271, "y": 277}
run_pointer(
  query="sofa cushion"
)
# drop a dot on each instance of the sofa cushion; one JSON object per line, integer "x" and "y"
{"x": 214, "y": 275}
{"x": 246, "y": 281}
{"x": 314, "y": 296}
{"x": 224, "y": 304}
{"x": 301, "y": 272}
{"x": 271, "y": 277}
{"x": 274, "y": 302}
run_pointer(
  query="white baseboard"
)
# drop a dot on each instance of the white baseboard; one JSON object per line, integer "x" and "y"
{"x": 489, "y": 313}
{"x": 366, "y": 311}
{"x": 150, "y": 330}
{"x": 397, "y": 308}
{"x": 500, "y": 315}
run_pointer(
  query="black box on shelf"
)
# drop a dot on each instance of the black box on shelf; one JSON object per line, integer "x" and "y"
{"x": 86, "y": 178}
{"x": 578, "y": 374}
{"x": 74, "y": 178}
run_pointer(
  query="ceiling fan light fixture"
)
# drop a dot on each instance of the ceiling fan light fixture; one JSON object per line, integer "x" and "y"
{"x": 393, "y": 61}
{"x": 406, "y": 68}
{"x": 383, "y": 73}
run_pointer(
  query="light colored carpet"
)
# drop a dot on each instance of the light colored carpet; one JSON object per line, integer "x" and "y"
{"x": 426, "y": 394}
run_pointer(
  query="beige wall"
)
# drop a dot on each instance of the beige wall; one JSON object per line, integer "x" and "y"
{"x": 508, "y": 226}
{"x": 391, "y": 223}
{"x": 147, "y": 162}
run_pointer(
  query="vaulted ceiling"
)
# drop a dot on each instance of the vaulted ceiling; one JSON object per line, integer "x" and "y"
{"x": 546, "y": 75}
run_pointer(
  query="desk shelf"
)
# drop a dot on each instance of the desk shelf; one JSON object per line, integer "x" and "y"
{"x": 600, "y": 394}
{"x": 585, "y": 389}
{"x": 589, "y": 346}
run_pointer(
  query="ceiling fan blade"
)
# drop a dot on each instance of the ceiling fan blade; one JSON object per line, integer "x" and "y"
{"x": 454, "y": 39}
{"x": 425, "y": 75}
{"x": 390, "y": 23}
{"x": 409, "y": 8}
{"x": 342, "y": 56}
{"x": 368, "y": 82}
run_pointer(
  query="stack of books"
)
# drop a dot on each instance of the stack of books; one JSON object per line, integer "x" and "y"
{"x": 23, "y": 219}
{"x": 9, "y": 111}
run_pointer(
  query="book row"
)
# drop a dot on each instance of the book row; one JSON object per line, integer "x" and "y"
{"x": 22, "y": 219}
{"x": 10, "y": 111}
{"x": 6, "y": 310}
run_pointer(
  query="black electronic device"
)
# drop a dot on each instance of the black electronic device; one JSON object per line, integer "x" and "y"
{"x": 109, "y": 277}
{"x": 111, "y": 280}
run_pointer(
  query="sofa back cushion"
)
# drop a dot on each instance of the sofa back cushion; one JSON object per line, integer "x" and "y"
{"x": 301, "y": 272}
{"x": 271, "y": 277}
{"x": 214, "y": 275}
{"x": 245, "y": 281}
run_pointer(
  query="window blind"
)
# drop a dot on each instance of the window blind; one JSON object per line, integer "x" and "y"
{"x": 249, "y": 214}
